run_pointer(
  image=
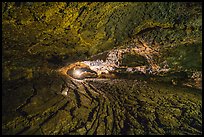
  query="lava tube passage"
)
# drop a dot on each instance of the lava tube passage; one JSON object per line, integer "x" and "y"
{"x": 102, "y": 68}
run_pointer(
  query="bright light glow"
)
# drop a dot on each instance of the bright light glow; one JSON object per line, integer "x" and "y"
{"x": 77, "y": 73}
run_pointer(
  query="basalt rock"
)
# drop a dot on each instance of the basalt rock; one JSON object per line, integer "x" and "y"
{"x": 51, "y": 34}
{"x": 41, "y": 41}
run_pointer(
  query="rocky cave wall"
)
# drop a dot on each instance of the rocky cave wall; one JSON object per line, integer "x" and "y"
{"x": 40, "y": 37}
{"x": 35, "y": 34}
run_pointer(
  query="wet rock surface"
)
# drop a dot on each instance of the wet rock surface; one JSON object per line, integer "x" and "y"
{"x": 56, "y": 104}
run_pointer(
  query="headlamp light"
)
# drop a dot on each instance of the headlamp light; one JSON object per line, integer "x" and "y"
{"x": 77, "y": 73}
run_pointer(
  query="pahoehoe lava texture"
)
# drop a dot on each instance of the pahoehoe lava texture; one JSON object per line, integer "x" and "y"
{"x": 39, "y": 38}
{"x": 104, "y": 106}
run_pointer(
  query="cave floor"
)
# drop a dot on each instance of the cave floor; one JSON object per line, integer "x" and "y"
{"x": 55, "y": 104}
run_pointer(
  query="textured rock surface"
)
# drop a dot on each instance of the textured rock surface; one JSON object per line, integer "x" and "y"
{"x": 41, "y": 37}
{"x": 38, "y": 32}
{"x": 101, "y": 106}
